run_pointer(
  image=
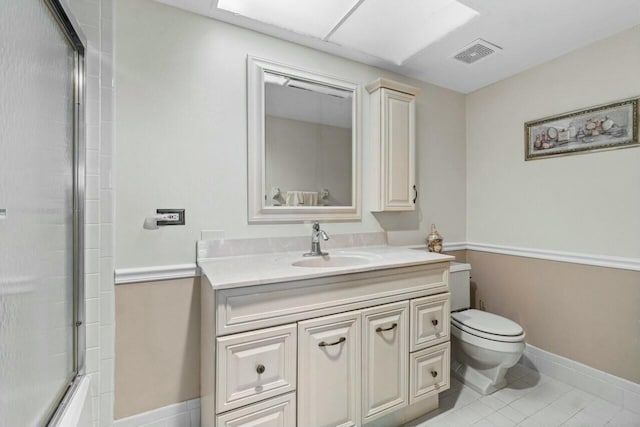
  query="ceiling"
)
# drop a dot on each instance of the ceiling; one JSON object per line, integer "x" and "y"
{"x": 419, "y": 38}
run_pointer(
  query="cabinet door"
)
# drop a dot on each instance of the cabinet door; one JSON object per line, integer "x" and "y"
{"x": 385, "y": 352}
{"x": 429, "y": 321}
{"x": 398, "y": 136}
{"x": 329, "y": 371}
{"x": 277, "y": 412}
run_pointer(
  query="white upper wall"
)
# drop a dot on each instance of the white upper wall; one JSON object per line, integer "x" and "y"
{"x": 181, "y": 133}
{"x": 586, "y": 203}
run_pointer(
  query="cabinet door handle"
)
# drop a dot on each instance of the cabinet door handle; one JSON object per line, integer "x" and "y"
{"x": 415, "y": 197}
{"x": 434, "y": 322}
{"x": 379, "y": 329}
{"x": 260, "y": 369}
{"x": 326, "y": 344}
{"x": 434, "y": 374}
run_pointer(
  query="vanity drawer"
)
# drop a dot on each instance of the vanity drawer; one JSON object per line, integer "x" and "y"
{"x": 255, "y": 307}
{"x": 429, "y": 321}
{"x": 279, "y": 411}
{"x": 254, "y": 366}
{"x": 429, "y": 372}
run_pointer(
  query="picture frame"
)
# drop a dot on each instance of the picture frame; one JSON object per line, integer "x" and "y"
{"x": 603, "y": 127}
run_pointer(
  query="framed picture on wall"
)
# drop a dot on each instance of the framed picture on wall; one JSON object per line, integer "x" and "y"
{"x": 603, "y": 127}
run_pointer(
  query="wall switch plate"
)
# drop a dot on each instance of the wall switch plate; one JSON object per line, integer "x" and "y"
{"x": 177, "y": 216}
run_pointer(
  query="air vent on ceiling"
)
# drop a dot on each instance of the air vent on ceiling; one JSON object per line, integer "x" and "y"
{"x": 476, "y": 51}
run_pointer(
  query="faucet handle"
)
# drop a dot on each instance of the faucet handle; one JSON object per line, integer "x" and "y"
{"x": 316, "y": 226}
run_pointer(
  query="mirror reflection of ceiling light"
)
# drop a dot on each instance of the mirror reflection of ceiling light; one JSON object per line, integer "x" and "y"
{"x": 280, "y": 80}
{"x": 316, "y": 18}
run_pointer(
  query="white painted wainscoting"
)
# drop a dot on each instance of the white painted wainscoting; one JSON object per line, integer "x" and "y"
{"x": 183, "y": 414}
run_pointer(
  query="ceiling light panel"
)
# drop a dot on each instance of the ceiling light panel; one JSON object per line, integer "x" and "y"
{"x": 396, "y": 30}
{"x": 311, "y": 17}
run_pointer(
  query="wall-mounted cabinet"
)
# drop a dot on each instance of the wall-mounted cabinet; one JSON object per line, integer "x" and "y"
{"x": 393, "y": 145}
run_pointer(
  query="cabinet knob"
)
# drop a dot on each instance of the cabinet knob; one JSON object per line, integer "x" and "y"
{"x": 434, "y": 374}
{"x": 379, "y": 329}
{"x": 260, "y": 369}
{"x": 326, "y": 344}
{"x": 434, "y": 322}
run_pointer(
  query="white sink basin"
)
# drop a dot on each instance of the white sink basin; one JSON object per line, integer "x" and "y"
{"x": 333, "y": 261}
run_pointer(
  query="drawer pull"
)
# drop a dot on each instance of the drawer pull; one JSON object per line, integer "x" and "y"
{"x": 326, "y": 344}
{"x": 395, "y": 325}
{"x": 434, "y": 322}
{"x": 434, "y": 374}
{"x": 260, "y": 369}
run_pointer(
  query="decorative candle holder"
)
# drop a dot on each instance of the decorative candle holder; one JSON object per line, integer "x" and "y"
{"x": 434, "y": 240}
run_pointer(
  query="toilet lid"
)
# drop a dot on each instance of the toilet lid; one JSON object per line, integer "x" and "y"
{"x": 487, "y": 323}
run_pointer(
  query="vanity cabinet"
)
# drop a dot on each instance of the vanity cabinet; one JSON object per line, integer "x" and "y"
{"x": 349, "y": 350}
{"x": 392, "y": 107}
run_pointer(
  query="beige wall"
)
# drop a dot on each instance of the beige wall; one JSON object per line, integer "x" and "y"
{"x": 157, "y": 345}
{"x": 588, "y": 314}
{"x": 584, "y": 203}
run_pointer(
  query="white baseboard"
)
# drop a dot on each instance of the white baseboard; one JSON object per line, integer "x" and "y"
{"x": 614, "y": 389}
{"x": 183, "y": 414}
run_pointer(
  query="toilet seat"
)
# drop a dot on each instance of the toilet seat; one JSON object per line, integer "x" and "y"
{"x": 487, "y": 326}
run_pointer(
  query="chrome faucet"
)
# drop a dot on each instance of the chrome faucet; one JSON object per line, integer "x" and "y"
{"x": 316, "y": 233}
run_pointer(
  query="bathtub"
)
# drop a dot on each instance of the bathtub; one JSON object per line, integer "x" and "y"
{"x": 78, "y": 412}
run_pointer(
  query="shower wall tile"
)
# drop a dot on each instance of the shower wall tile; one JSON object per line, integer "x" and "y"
{"x": 92, "y": 236}
{"x": 106, "y": 239}
{"x": 106, "y": 274}
{"x": 95, "y": 18}
{"x": 92, "y": 310}
{"x": 106, "y": 142}
{"x": 93, "y": 335}
{"x": 106, "y": 206}
{"x": 106, "y": 172}
{"x": 107, "y": 341}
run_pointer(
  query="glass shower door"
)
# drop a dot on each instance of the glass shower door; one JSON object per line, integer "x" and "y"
{"x": 38, "y": 211}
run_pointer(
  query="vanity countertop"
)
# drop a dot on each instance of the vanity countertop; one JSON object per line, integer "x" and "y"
{"x": 260, "y": 269}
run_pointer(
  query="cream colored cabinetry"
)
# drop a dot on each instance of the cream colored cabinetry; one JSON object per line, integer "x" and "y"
{"x": 430, "y": 321}
{"x": 329, "y": 366}
{"x": 393, "y": 147}
{"x": 429, "y": 372}
{"x": 385, "y": 357}
{"x": 255, "y": 365}
{"x": 276, "y": 412}
{"x": 342, "y": 351}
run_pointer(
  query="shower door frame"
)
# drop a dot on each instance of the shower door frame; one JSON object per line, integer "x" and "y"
{"x": 78, "y": 42}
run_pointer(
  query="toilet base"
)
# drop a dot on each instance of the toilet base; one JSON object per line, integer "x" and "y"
{"x": 482, "y": 369}
{"x": 475, "y": 380}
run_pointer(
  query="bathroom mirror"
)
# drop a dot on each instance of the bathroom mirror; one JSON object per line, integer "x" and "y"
{"x": 303, "y": 145}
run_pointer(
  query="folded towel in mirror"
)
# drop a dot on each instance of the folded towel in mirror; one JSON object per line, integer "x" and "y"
{"x": 302, "y": 198}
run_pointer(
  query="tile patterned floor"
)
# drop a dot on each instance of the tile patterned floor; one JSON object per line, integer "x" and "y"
{"x": 529, "y": 400}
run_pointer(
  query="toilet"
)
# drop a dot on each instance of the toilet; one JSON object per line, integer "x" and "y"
{"x": 483, "y": 345}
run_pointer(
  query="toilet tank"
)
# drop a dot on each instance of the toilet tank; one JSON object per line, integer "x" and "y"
{"x": 459, "y": 285}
